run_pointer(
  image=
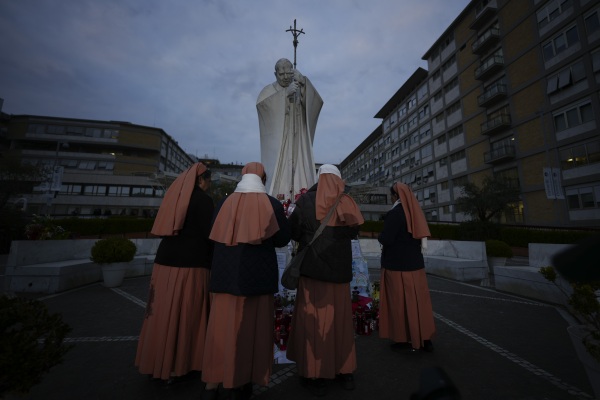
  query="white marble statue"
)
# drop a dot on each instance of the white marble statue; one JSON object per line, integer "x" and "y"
{"x": 288, "y": 110}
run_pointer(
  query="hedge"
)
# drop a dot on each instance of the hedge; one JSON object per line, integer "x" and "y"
{"x": 514, "y": 236}
{"x": 103, "y": 226}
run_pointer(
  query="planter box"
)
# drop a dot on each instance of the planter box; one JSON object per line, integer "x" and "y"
{"x": 51, "y": 266}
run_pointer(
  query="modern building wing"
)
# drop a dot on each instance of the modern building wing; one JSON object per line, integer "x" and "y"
{"x": 98, "y": 167}
{"x": 511, "y": 90}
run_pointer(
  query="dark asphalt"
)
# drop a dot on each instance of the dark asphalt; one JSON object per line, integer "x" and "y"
{"x": 492, "y": 345}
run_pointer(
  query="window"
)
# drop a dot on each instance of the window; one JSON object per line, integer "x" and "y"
{"x": 449, "y": 63}
{"x": 573, "y": 199}
{"x": 118, "y": 190}
{"x": 69, "y": 163}
{"x": 415, "y": 138}
{"x": 426, "y": 151}
{"x": 439, "y": 118}
{"x": 56, "y": 130}
{"x": 405, "y": 144}
{"x": 451, "y": 85}
{"x": 422, "y": 92}
{"x": 462, "y": 181}
{"x": 592, "y": 23}
{"x": 412, "y": 121}
{"x": 459, "y": 155}
{"x": 453, "y": 108}
{"x": 36, "y": 128}
{"x": 495, "y": 87}
{"x": 583, "y": 197}
{"x": 560, "y": 43}
{"x": 424, "y": 111}
{"x": 110, "y": 134}
{"x": 438, "y": 96}
{"x": 403, "y": 128}
{"x": 596, "y": 61}
{"x": 504, "y": 111}
{"x": 511, "y": 176}
{"x": 141, "y": 191}
{"x": 412, "y": 103}
{"x": 402, "y": 111}
{"x": 566, "y": 77}
{"x": 71, "y": 189}
{"x": 107, "y": 165}
{"x": 88, "y": 165}
{"x": 441, "y": 140}
{"x": 572, "y": 117}
{"x": 455, "y": 132}
{"x": 75, "y": 130}
{"x": 552, "y": 11}
{"x": 92, "y": 190}
{"x": 93, "y": 132}
{"x": 577, "y": 156}
{"x": 447, "y": 40}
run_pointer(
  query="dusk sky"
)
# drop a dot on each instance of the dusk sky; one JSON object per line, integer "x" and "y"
{"x": 195, "y": 68}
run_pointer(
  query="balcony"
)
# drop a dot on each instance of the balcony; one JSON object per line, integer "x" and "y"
{"x": 484, "y": 13}
{"x": 496, "y": 124}
{"x": 489, "y": 67}
{"x": 485, "y": 41}
{"x": 501, "y": 154}
{"x": 492, "y": 95}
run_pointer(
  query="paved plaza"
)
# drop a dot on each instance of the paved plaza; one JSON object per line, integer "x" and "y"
{"x": 491, "y": 345}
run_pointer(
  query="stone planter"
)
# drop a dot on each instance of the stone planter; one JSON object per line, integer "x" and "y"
{"x": 492, "y": 262}
{"x": 590, "y": 364}
{"x": 114, "y": 273}
{"x": 496, "y": 261}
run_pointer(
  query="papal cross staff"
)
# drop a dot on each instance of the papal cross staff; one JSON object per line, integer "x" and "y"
{"x": 295, "y": 32}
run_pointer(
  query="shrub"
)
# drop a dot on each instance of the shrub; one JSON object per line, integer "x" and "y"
{"x": 584, "y": 305}
{"x": 106, "y": 226}
{"x": 45, "y": 228}
{"x": 372, "y": 226}
{"x": 497, "y": 248}
{"x": 478, "y": 230}
{"x": 31, "y": 342}
{"x": 444, "y": 231}
{"x": 113, "y": 250}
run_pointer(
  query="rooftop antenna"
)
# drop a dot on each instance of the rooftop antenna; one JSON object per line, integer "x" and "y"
{"x": 295, "y": 32}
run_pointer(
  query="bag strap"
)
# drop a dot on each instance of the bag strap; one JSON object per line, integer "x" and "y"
{"x": 325, "y": 220}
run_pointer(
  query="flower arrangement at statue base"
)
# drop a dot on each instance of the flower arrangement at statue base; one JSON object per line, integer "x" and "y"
{"x": 365, "y": 311}
{"x": 284, "y": 308}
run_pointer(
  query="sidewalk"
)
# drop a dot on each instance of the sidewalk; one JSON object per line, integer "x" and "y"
{"x": 492, "y": 345}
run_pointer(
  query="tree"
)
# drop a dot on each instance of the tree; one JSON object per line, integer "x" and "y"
{"x": 17, "y": 178}
{"x": 489, "y": 201}
{"x": 221, "y": 189}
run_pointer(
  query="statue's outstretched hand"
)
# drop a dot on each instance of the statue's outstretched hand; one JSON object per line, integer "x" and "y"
{"x": 298, "y": 77}
{"x": 291, "y": 89}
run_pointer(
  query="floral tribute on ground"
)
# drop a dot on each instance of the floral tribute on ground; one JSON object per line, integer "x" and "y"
{"x": 365, "y": 313}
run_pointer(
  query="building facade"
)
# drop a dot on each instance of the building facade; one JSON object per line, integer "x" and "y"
{"x": 96, "y": 167}
{"x": 511, "y": 90}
